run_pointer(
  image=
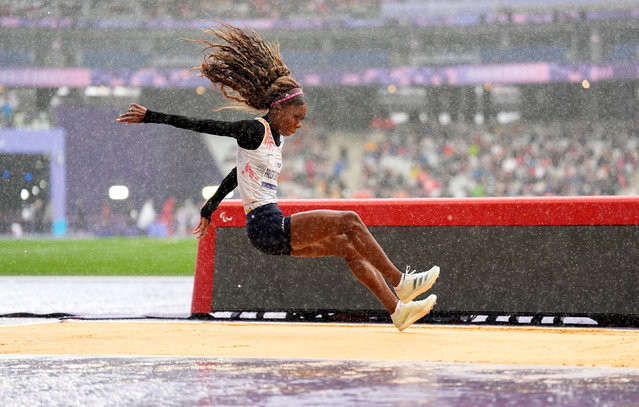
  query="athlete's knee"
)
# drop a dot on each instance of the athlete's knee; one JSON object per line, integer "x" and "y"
{"x": 352, "y": 223}
{"x": 351, "y": 220}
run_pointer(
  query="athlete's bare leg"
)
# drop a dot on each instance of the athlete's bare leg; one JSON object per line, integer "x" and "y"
{"x": 324, "y": 233}
{"x": 339, "y": 246}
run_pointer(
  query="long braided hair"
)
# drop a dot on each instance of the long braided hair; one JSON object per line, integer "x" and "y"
{"x": 247, "y": 70}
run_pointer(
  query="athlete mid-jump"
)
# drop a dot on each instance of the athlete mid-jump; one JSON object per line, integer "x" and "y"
{"x": 258, "y": 78}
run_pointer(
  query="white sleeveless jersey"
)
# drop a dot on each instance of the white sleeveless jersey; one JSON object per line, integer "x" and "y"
{"x": 258, "y": 170}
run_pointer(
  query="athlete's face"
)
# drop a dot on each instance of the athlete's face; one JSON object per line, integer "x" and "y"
{"x": 286, "y": 120}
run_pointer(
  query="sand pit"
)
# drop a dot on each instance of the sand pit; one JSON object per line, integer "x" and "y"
{"x": 591, "y": 347}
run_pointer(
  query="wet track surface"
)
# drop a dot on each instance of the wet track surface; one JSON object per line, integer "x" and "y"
{"x": 172, "y": 381}
{"x": 96, "y": 296}
{"x": 51, "y": 380}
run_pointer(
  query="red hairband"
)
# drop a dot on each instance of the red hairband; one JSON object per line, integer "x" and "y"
{"x": 287, "y": 97}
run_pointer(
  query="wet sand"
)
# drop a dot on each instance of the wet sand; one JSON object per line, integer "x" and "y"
{"x": 588, "y": 347}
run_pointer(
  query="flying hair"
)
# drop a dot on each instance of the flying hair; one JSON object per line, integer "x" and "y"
{"x": 246, "y": 69}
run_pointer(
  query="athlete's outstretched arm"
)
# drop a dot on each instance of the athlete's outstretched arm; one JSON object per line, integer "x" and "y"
{"x": 248, "y": 133}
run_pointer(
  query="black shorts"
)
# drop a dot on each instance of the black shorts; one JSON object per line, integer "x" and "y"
{"x": 269, "y": 230}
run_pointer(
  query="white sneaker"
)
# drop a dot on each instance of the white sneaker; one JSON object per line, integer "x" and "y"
{"x": 413, "y": 311}
{"x": 416, "y": 283}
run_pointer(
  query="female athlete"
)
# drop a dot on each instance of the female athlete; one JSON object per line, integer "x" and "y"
{"x": 259, "y": 80}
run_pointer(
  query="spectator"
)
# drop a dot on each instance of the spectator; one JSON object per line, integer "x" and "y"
{"x": 518, "y": 160}
{"x": 7, "y": 113}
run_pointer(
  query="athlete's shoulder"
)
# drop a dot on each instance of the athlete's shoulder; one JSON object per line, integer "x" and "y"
{"x": 263, "y": 123}
{"x": 267, "y": 135}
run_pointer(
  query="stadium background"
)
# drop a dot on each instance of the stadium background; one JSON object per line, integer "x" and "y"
{"x": 407, "y": 99}
{"x": 452, "y": 98}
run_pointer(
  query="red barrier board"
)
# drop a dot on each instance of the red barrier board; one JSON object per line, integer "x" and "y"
{"x": 519, "y": 211}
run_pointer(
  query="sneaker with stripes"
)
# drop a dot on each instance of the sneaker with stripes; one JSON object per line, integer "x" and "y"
{"x": 414, "y": 284}
{"x": 407, "y": 314}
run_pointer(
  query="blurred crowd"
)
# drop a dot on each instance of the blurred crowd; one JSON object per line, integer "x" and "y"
{"x": 155, "y": 218}
{"x": 428, "y": 160}
{"x": 192, "y": 9}
{"x": 463, "y": 160}
{"x": 15, "y": 115}
{"x": 409, "y": 160}
{"x": 310, "y": 170}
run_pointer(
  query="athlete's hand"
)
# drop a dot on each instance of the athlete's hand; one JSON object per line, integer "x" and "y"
{"x": 202, "y": 228}
{"x": 134, "y": 114}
